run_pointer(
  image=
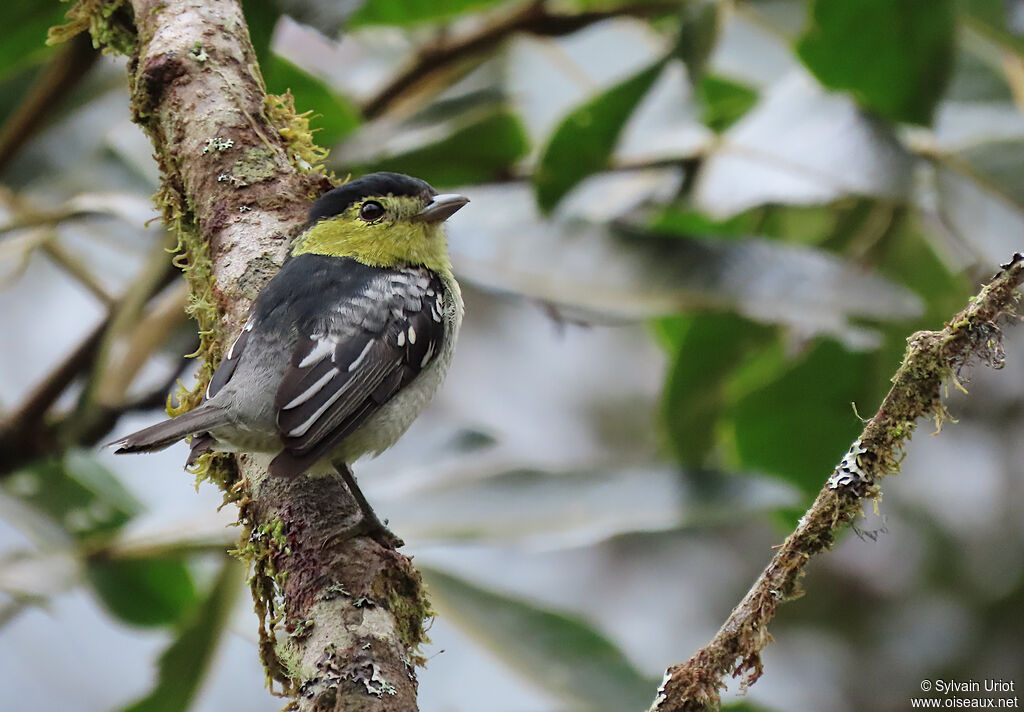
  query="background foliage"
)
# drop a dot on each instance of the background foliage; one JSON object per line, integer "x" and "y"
{"x": 700, "y": 231}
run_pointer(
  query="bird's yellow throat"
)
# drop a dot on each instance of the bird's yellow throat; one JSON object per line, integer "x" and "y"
{"x": 395, "y": 240}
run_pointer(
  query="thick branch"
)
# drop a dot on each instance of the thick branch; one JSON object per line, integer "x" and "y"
{"x": 932, "y": 357}
{"x": 341, "y": 617}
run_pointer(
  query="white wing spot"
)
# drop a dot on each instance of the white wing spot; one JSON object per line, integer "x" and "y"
{"x": 401, "y": 338}
{"x": 324, "y": 346}
{"x": 412, "y": 335}
{"x": 427, "y": 356}
{"x": 355, "y": 364}
{"x": 231, "y": 351}
{"x": 301, "y": 430}
{"x": 249, "y": 324}
{"x": 311, "y": 391}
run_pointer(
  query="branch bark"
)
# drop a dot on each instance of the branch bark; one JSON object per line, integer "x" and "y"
{"x": 340, "y": 618}
{"x": 932, "y": 358}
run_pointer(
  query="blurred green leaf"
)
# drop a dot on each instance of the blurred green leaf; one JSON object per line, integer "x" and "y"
{"x": 586, "y": 138}
{"x": 555, "y": 651}
{"x": 333, "y": 117}
{"x": 799, "y": 426}
{"x": 798, "y": 224}
{"x": 261, "y": 16}
{"x": 673, "y": 220}
{"x": 481, "y": 151}
{"x": 25, "y": 24}
{"x": 744, "y": 706}
{"x": 144, "y": 592}
{"x": 183, "y": 665}
{"x": 724, "y": 101}
{"x": 703, "y": 355}
{"x": 943, "y": 292}
{"x": 612, "y": 4}
{"x": 407, "y": 12}
{"x": 13, "y": 87}
{"x": 76, "y": 493}
{"x": 698, "y": 32}
{"x": 895, "y": 56}
{"x": 84, "y": 499}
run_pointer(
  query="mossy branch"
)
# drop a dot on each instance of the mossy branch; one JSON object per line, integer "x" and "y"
{"x": 340, "y": 618}
{"x": 932, "y": 359}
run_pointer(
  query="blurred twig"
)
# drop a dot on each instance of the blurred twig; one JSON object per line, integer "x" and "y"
{"x": 77, "y": 270}
{"x": 65, "y": 70}
{"x": 35, "y": 407}
{"x": 932, "y": 358}
{"x": 28, "y": 220}
{"x": 532, "y": 19}
{"x": 25, "y": 434}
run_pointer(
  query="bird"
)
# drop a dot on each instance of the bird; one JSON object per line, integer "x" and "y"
{"x": 344, "y": 346}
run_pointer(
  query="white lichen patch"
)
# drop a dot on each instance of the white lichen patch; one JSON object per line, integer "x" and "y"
{"x": 218, "y": 144}
{"x": 850, "y": 471}
{"x": 661, "y": 696}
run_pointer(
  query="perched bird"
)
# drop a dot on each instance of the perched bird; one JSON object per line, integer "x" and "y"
{"x": 345, "y": 346}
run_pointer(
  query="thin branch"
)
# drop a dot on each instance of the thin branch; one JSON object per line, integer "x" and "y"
{"x": 31, "y": 412}
{"x": 77, "y": 270}
{"x": 531, "y": 19}
{"x": 63, "y": 73}
{"x": 148, "y": 333}
{"x": 29, "y": 220}
{"x": 27, "y": 434}
{"x": 932, "y": 358}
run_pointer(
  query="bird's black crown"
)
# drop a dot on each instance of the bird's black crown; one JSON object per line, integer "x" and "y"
{"x": 335, "y": 201}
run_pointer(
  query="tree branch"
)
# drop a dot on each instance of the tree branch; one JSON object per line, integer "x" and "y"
{"x": 932, "y": 358}
{"x": 340, "y": 618}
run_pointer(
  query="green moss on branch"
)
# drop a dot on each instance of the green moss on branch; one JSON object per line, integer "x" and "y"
{"x": 932, "y": 358}
{"x": 110, "y": 22}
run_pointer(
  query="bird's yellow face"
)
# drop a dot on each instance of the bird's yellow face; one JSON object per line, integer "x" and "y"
{"x": 385, "y": 231}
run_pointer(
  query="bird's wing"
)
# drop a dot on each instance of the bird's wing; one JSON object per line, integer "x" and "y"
{"x": 227, "y": 366}
{"x": 376, "y": 340}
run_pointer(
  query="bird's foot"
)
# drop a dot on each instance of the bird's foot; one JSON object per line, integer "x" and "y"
{"x": 370, "y": 526}
{"x": 378, "y": 531}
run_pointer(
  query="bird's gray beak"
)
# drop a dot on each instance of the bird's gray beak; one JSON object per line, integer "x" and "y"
{"x": 441, "y": 207}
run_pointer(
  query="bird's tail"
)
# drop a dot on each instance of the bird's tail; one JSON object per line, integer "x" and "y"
{"x": 157, "y": 437}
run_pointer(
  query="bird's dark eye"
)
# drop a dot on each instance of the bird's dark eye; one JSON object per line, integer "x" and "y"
{"x": 371, "y": 211}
